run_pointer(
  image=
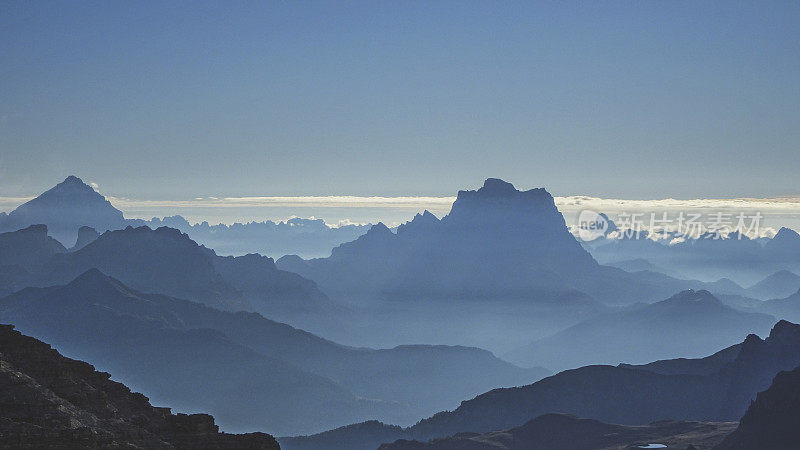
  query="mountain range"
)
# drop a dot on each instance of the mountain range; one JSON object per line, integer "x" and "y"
{"x": 162, "y": 261}
{"x": 707, "y": 257}
{"x": 255, "y": 374}
{"x": 73, "y": 204}
{"x": 717, "y": 388}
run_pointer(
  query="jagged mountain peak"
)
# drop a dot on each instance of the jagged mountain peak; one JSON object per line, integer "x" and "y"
{"x": 784, "y": 332}
{"x": 497, "y": 186}
{"x": 786, "y": 233}
{"x": 379, "y": 229}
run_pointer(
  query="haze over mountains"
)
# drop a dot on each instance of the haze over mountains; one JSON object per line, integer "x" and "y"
{"x": 690, "y": 324}
{"x": 255, "y": 374}
{"x": 496, "y": 243}
{"x": 707, "y": 257}
{"x": 717, "y": 388}
{"x": 392, "y": 326}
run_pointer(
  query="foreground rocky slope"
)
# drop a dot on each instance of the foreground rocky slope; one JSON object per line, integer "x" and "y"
{"x": 49, "y": 400}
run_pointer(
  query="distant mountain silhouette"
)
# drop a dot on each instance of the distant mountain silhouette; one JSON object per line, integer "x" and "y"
{"x": 72, "y": 204}
{"x": 717, "y": 388}
{"x": 496, "y": 243}
{"x": 778, "y": 285}
{"x": 688, "y": 324}
{"x": 783, "y": 308}
{"x": 502, "y": 261}
{"x": 566, "y": 432}
{"x": 50, "y": 401}
{"x": 65, "y": 208}
{"x": 308, "y": 237}
{"x": 254, "y": 373}
{"x": 707, "y": 257}
{"x": 771, "y": 420}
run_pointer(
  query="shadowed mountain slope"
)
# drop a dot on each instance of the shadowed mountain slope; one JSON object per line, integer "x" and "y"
{"x": 50, "y": 401}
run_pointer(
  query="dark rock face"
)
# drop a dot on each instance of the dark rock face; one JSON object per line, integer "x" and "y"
{"x": 567, "y": 432}
{"x": 49, "y": 400}
{"x": 773, "y": 419}
{"x": 64, "y": 208}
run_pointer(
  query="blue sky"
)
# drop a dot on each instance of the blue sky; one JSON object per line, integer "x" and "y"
{"x": 177, "y": 100}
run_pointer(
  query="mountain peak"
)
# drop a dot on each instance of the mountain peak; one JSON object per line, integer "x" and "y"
{"x": 91, "y": 276}
{"x": 701, "y": 296}
{"x": 784, "y": 332}
{"x": 73, "y": 184}
{"x": 95, "y": 284}
{"x": 786, "y": 234}
{"x": 379, "y": 229}
{"x": 497, "y": 186}
{"x": 73, "y": 179}
{"x": 66, "y": 207}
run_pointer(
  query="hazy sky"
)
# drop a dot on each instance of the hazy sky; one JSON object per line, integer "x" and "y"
{"x": 176, "y": 100}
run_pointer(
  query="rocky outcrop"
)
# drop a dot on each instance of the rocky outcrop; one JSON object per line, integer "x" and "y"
{"x": 49, "y": 400}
